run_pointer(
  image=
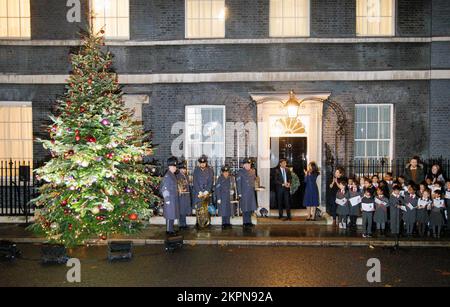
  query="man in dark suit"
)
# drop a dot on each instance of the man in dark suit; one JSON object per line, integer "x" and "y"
{"x": 283, "y": 179}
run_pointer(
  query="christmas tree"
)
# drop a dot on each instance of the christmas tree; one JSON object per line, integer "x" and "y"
{"x": 95, "y": 183}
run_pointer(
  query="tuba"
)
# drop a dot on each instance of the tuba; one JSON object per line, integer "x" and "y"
{"x": 203, "y": 216}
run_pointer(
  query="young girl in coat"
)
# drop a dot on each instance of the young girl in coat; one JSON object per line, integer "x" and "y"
{"x": 381, "y": 206}
{"x": 354, "y": 197}
{"x": 437, "y": 214}
{"x": 367, "y": 208}
{"x": 342, "y": 204}
{"x": 409, "y": 215}
{"x": 422, "y": 211}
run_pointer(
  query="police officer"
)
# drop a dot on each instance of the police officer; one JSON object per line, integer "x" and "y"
{"x": 222, "y": 192}
{"x": 245, "y": 184}
{"x": 184, "y": 194}
{"x": 203, "y": 179}
{"x": 169, "y": 191}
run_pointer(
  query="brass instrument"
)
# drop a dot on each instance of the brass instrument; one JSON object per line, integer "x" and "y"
{"x": 234, "y": 199}
{"x": 203, "y": 216}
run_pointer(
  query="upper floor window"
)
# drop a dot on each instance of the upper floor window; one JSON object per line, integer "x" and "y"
{"x": 373, "y": 131}
{"x": 112, "y": 16}
{"x": 205, "y": 18}
{"x": 289, "y": 18}
{"x": 15, "y": 19}
{"x": 375, "y": 18}
{"x": 16, "y": 131}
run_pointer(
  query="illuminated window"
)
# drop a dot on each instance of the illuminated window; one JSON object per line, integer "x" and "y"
{"x": 205, "y": 18}
{"x": 375, "y": 18}
{"x": 373, "y": 131}
{"x": 16, "y": 132}
{"x": 289, "y": 18}
{"x": 15, "y": 19}
{"x": 112, "y": 16}
{"x": 205, "y": 132}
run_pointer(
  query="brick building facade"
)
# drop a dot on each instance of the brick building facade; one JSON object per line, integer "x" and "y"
{"x": 409, "y": 70}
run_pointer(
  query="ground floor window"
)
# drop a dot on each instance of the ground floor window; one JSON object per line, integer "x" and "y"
{"x": 16, "y": 132}
{"x": 373, "y": 131}
{"x": 205, "y": 131}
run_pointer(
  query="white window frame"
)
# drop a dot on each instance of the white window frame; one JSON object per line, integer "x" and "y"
{"x": 27, "y": 104}
{"x": 186, "y": 21}
{"x": 283, "y": 35}
{"x": 186, "y": 136}
{"x": 394, "y": 12}
{"x": 21, "y": 37}
{"x": 108, "y": 37}
{"x": 391, "y": 134}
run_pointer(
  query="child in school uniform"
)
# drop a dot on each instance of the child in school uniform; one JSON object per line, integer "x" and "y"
{"x": 367, "y": 208}
{"x": 342, "y": 204}
{"x": 361, "y": 181}
{"x": 437, "y": 214}
{"x": 422, "y": 188}
{"x": 354, "y": 196}
{"x": 402, "y": 183}
{"x": 375, "y": 181}
{"x": 409, "y": 215}
{"x": 381, "y": 206}
{"x": 422, "y": 211}
{"x": 395, "y": 202}
{"x": 447, "y": 202}
{"x": 389, "y": 180}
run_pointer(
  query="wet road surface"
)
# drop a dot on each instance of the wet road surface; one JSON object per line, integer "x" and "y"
{"x": 234, "y": 266}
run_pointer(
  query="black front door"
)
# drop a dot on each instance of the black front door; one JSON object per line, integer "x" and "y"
{"x": 293, "y": 149}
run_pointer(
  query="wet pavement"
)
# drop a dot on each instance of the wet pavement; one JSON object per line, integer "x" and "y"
{"x": 263, "y": 233}
{"x": 234, "y": 266}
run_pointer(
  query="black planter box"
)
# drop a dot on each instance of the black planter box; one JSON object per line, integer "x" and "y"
{"x": 53, "y": 254}
{"x": 120, "y": 250}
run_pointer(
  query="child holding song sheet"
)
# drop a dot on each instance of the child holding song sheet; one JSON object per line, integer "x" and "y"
{"x": 367, "y": 208}
{"x": 381, "y": 205}
{"x": 354, "y": 196}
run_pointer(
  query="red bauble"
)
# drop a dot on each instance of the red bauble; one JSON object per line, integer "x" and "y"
{"x": 82, "y": 109}
{"x": 99, "y": 218}
{"x": 110, "y": 155}
{"x": 64, "y": 203}
{"x": 91, "y": 139}
{"x": 66, "y": 211}
{"x": 90, "y": 81}
{"x": 133, "y": 216}
{"x": 77, "y": 131}
{"x": 103, "y": 237}
{"x": 70, "y": 227}
{"x": 77, "y": 138}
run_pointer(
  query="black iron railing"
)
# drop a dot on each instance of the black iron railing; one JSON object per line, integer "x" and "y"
{"x": 17, "y": 187}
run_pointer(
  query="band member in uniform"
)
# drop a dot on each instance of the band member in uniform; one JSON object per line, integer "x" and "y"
{"x": 184, "y": 194}
{"x": 203, "y": 179}
{"x": 169, "y": 191}
{"x": 222, "y": 191}
{"x": 283, "y": 179}
{"x": 245, "y": 185}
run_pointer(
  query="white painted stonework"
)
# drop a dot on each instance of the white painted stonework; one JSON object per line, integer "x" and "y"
{"x": 310, "y": 113}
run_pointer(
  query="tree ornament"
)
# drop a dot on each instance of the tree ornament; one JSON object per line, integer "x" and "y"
{"x": 91, "y": 139}
{"x": 105, "y": 122}
{"x": 82, "y": 109}
{"x": 77, "y": 138}
{"x": 133, "y": 216}
{"x": 64, "y": 203}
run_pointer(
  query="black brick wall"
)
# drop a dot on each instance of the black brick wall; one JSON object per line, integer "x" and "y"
{"x": 247, "y": 19}
{"x": 333, "y": 18}
{"x": 413, "y": 17}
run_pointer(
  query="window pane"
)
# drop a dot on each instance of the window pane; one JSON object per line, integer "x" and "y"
{"x": 385, "y": 131}
{"x": 360, "y": 113}
{"x": 371, "y": 147}
{"x": 3, "y": 9}
{"x": 24, "y": 8}
{"x": 374, "y": 17}
{"x": 205, "y": 9}
{"x": 360, "y": 131}
{"x": 372, "y": 130}
{"x": 385, "y": 113}
{"x": 360, "y": 149}
{"x": 372, "y": 114}
{"x": 289, "y": 18}
{"x": 383, "y": 147}
{"x": 3, "y": 27}
{"x": 113, "y": 17}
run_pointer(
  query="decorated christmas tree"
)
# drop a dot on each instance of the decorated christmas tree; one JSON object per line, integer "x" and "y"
{"x": 95, "y": 183}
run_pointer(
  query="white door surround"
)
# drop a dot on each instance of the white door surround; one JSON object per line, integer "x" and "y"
{"x": 269, "y": 106}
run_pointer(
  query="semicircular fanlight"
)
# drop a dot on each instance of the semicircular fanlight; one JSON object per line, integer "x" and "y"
{"x": 289, "y": 125}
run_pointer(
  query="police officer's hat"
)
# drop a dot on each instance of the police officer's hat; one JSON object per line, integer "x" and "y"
{"x": 172, "y": 161}
{"x": 225, "y": 168}
{"x": 247, "y": 160}
{"x": 182, "y": 164}
{"x": 203, "y": 159}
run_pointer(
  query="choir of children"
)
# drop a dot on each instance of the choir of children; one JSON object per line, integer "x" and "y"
{"x": 397, "y": 205}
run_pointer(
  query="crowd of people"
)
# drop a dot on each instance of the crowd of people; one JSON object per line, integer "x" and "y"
{"x": 412, "y": 203}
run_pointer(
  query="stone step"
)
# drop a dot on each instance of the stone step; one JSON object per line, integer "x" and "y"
{"x": 191, "y": 220}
